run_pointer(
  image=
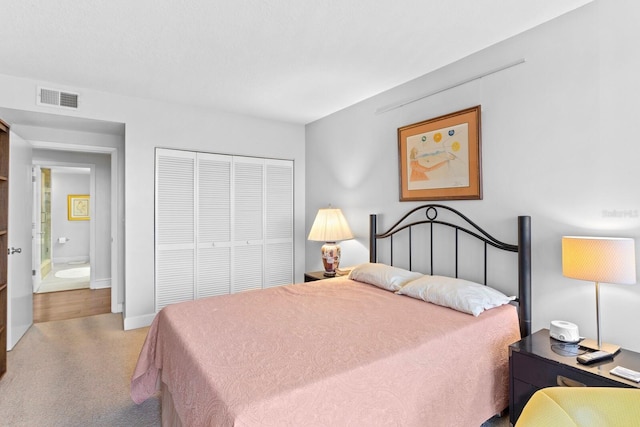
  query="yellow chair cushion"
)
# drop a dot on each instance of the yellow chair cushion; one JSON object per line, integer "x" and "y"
{"x": 582, "y": 407}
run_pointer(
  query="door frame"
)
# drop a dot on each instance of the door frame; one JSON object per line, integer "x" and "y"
{"x": 92, "y": 224}
{"x": 36, "y": 179}
{"x": 115, "y": 254}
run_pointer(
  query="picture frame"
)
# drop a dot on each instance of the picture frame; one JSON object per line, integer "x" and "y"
{"x": 440, "y": 158}
{"x": 78, "y": 207}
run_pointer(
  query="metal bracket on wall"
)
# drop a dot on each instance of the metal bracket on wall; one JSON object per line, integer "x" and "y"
{"x": 451, "y": 86}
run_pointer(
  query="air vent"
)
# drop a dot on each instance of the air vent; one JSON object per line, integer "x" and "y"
{"x": 57, "y": 98}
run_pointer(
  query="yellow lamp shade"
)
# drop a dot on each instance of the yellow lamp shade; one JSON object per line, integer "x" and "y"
{"x": 330, "y": 225}
{"x": 599, "y": 259}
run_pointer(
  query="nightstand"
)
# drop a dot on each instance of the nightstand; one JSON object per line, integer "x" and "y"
{"x": 538, "y": 361}
{"x": 312, "y": 276}
{"x": 319, "y": 275}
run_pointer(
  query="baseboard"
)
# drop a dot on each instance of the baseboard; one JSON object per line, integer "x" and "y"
{"x": 138, "y": 321}
{"x": 100, "y": 284}
{"x": 64, "y": 260}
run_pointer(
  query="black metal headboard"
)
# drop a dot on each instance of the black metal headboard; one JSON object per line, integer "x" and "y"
{"x": 523, "y": 248}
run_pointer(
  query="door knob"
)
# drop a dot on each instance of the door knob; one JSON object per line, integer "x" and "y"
{"x": 14, "y": 250}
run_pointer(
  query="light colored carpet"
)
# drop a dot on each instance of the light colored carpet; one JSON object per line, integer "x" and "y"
{"x": 75, "y": 373}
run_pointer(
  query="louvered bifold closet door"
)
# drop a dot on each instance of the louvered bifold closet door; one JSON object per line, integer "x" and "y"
{"x": 278, "y": 252}
{"x": 214, "y": 225}
{"x": 248, "y": 219}
{"x": 175, "y": 226}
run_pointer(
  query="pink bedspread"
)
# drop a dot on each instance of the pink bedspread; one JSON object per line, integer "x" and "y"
{"x": 327, "y": 353}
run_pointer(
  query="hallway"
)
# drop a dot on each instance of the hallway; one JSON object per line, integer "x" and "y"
{"x": 65, "y": 294}
{"x": 70, "y": 304}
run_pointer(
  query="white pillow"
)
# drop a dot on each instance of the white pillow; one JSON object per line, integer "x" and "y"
{"x": 459, "y": 294}
{"x": 383, "y": 276}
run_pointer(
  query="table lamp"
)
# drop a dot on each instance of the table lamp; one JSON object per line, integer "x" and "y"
{"x": 599, "y": 259}
{"x": 330, "y": 226}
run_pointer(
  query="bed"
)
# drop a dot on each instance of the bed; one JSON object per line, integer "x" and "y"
{"x": 343, "y": 351}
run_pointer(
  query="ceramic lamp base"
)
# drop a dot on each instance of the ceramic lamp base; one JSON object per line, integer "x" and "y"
{"x": 330, "y": 258}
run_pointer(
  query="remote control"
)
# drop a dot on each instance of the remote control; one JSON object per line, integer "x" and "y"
{"x": 626, "y": 373}
{"x": 596, "y": 356}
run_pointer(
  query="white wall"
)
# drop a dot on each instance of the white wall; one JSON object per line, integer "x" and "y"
{"x": 151, "y": 124}
{"x": 77, "y": 247}
{"x": 557, "y": 144}
{"x": 193, "y": 129}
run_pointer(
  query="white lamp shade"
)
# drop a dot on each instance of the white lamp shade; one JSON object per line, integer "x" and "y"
{"x": 330, "y": 225}
{"x": 599, "y": 259}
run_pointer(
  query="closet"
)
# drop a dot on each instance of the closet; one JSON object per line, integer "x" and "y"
{"x": 4, "y": 224}
{"x": 223, "y": 224}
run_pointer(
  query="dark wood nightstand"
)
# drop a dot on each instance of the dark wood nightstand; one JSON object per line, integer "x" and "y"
{"x": 319, "y": 275}
{"x": 312, "y": 276}
{"x": 538, "y": 361}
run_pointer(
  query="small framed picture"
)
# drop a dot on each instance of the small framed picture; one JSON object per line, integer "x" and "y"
{"x": 78, "y": 207}
{"x": 440, "y": 158}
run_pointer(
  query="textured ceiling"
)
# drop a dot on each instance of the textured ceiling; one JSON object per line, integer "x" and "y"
{"x": 290, "y": 60}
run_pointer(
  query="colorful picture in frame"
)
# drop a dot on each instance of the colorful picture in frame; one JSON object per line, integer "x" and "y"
{"x": 440, "y": 158}
{"x": 78, "y": 207}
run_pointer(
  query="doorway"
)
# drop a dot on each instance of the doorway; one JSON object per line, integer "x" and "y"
{"x": 72, "y": 249}
{"x": 61, "y": 249}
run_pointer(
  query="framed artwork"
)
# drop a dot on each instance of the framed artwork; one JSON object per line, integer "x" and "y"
{"x": 78, "y": 207}
{"x": 440, "y": 158}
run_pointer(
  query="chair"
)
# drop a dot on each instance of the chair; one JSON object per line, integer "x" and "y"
{"x": 582, "y": 407}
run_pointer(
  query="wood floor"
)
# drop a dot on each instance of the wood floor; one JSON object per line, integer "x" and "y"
{"x": 70, "y": 304}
